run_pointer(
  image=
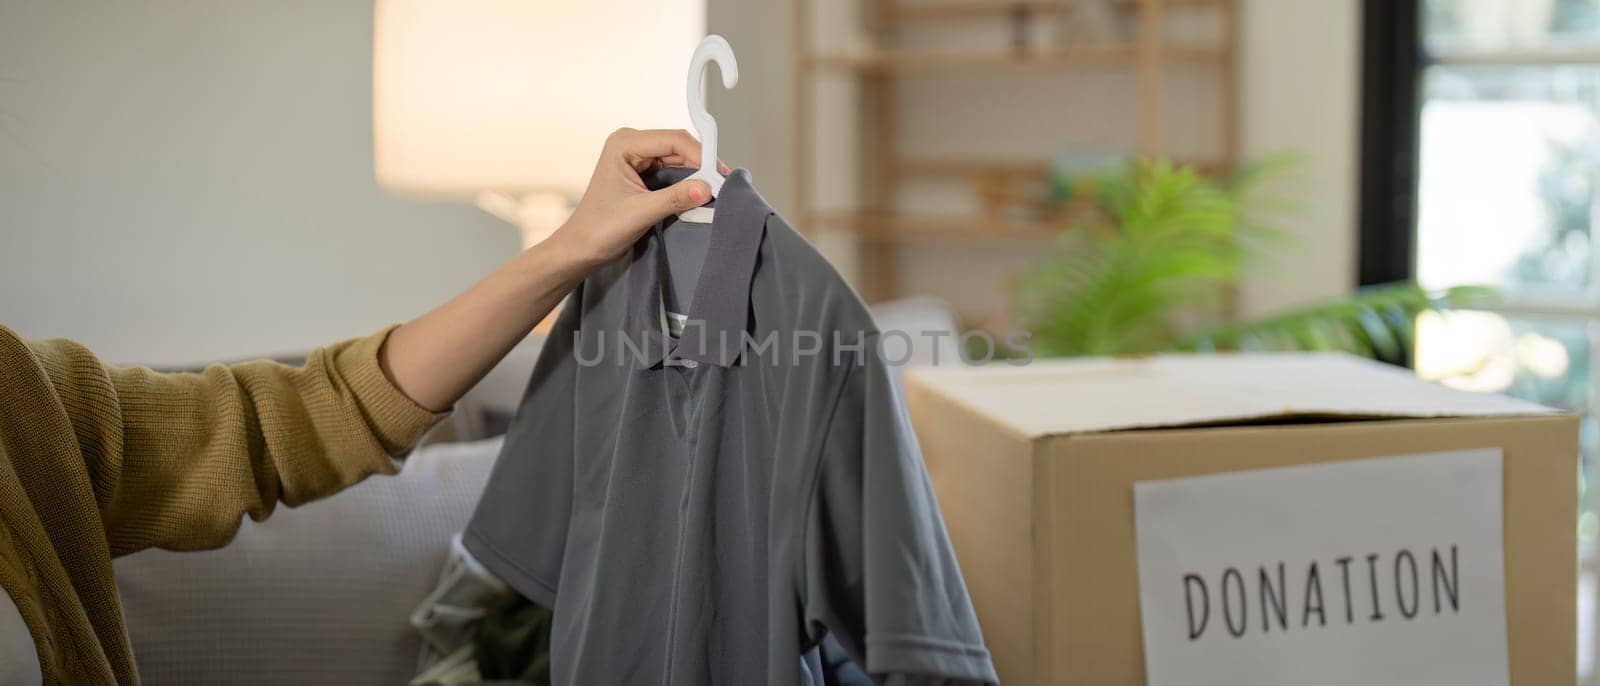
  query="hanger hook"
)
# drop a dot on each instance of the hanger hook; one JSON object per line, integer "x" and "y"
{"x": 713, "y": 48}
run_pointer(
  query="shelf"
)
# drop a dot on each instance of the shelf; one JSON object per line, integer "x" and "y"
{"x": 887, "y": 228}
{"x": 958, "y": 9}
{"x": 1067, "y": 56}
{"x": 1013, "y": 199}
{"x": 972, "y": 168}
{"x": 962, "y": 9}
{"x": 1033, "y": 169}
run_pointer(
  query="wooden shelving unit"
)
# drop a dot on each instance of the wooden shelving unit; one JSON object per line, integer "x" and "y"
{"x": 1023, "y": 169}
{"x": 877, "y": 223}
{"x": 961, "y": 9}
{"x": 1066, "y": 56}
{"x": 895, "y": 227}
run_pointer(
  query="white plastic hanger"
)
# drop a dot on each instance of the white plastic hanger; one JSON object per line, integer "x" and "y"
{"x": 713, "y": 48}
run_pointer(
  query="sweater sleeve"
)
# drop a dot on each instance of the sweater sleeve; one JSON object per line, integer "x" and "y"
{"x": 176, "y": 460}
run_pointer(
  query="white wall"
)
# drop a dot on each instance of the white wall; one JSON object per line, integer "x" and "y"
{"x": 1301, "y": 83}
{"x": 187, "y": 180}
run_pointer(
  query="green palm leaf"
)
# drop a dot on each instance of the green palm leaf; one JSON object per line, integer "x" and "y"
{"x": 1176, "y": 243}
{"x": 1376, "y": 322}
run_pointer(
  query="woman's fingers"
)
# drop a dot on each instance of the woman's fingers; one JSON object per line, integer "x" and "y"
{"x": 617, "y": 206}
{"x": 641, "y": 148}
{"x": 692, "y": 163}
{"x": 681, "y": 196}
{"x": 663, "y": 147}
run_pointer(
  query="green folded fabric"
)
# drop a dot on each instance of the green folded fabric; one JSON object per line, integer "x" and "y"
{"x": 513, "y": 645}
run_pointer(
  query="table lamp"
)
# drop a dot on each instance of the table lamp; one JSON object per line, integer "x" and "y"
{"x": 508, "y": 102}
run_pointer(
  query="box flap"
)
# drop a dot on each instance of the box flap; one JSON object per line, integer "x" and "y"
{"x": 1102, "y": 394}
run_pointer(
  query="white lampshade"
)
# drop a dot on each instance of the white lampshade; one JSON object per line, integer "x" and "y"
{"x": 517, "y": 96}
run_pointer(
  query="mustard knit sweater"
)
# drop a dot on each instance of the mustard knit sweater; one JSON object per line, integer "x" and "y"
{"x": 98, "y": 461}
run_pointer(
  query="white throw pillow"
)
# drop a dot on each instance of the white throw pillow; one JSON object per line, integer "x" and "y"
{"x": 314, "y": 595}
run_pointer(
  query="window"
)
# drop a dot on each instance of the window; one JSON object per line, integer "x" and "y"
{"x": 1481, "y": 165}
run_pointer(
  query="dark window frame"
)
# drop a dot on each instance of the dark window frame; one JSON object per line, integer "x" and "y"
{"x": 1391, "y": 71}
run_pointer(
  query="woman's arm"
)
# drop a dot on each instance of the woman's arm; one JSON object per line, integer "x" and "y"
{"x": 175, "y": 460}
{"x": 439, "y": 356}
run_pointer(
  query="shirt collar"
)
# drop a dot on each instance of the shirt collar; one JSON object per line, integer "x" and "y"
{"x": 719, "y": 316}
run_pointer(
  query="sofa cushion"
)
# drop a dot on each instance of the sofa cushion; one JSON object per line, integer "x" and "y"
{"x": 318, "y": 594}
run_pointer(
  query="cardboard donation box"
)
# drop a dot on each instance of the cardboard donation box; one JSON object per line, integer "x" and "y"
{"x": 1255, "y": 519}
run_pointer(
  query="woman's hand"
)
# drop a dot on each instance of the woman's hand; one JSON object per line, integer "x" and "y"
{"x": 617, "y": 208}
{"x": 438, "y": 357}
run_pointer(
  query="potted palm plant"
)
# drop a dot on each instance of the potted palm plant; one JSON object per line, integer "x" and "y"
{"x": 1154, "y": 266}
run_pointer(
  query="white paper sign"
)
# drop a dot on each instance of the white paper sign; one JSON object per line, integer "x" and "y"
{"x": 1374, "y": 571}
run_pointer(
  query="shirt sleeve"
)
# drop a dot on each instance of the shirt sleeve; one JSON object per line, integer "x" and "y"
{"x": 176, "y": 459}
{"x": 880, "y": 575}
{"x": 519, "y": 529}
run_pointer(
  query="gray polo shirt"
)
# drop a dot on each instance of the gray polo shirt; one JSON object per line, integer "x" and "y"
{"x": 703, "y": 509}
